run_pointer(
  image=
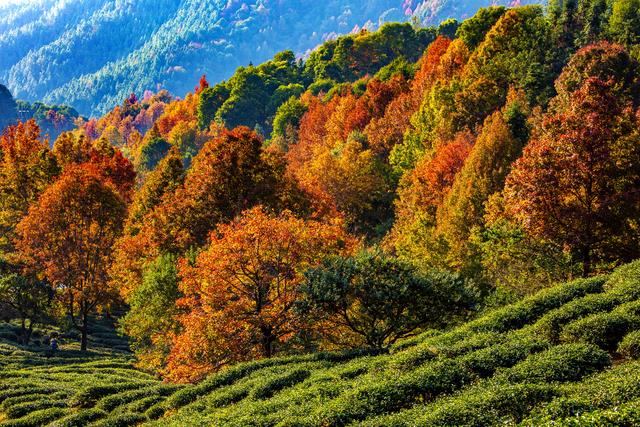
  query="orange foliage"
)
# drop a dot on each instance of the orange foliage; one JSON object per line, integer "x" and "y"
{"x": 68, "y": 235}
{"x": 239, "y": 295}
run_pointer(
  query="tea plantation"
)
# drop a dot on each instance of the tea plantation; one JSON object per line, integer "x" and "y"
{"x": 564, "y": 357}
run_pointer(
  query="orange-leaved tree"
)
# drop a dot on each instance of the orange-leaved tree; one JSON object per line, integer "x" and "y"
{"x": 577, "y": 181}
{"x": 230, "y": 174}
{"x": 239, "y": 296}
{"x": 27, "y": 167}
{"x": 68, "y": 235}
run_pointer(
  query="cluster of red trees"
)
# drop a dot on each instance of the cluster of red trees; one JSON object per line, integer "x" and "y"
{"x": 471, "y": 161}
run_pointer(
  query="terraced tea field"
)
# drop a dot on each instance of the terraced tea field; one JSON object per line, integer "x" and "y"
{"x": 565, "y": 356}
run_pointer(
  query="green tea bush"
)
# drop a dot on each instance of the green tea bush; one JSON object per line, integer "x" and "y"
{"x": 22, "y": 409}
{"x": 90, "y": 395}
{"x": 568, "y": 362}
{"x": 21, "y": 399}
{"x": 630, "y": 346}
{"x": 120, "y": 420}
{"x": 494, "y": 405}
{"x": 79, "y": 419}
{"x": 143, "y": 404}
{"x": 485, "y": 362}
{"x": 37, "y": 418}
{"x": 603, "y": 329}
{"x": 625, "y": 278}
{"x": 21, "y": 391}
{"x": 380, "y": 395}
{"x": 606, "y": 389}
{"x": 552, "y": 323}
{"x": 272, "y": 385}
{"x": 528, "y": 310}
{"x": 410, "y": 342}
{"x": 112, "y": 401}
{"x": 627, "y": 414}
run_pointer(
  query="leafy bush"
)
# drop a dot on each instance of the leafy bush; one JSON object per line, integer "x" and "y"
{"x": 568, "y": 362}
{"x": 630, "y": 345}
{"x": 552, "y": 323}
{"x": 627, "y": 414}
{"x": 79, "y": 419}
{"x": 485, "y": 362}
{"x": 112, "y": 401}
{"x": 22, "y": 409}
{"x": 37, "y": 418}
{"x": 603, "y": 329}
{"x": 273, "y": 385}
{"x": 531, "y": 308}
{"x": 88, "y": 396}
{"x": 121, "y": 420}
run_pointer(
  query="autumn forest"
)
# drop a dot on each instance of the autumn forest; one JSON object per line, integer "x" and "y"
{"x": 378, "y": 212}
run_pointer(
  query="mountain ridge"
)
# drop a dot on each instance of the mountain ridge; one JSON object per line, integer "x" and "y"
{"x": 50, "y": 50}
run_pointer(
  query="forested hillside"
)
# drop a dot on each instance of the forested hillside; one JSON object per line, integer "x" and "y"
{"x": 567, "y": 356}
{"x": 417, "y": 225}
{"x": 52, "y": 119}
{"x": 91, "y": 54}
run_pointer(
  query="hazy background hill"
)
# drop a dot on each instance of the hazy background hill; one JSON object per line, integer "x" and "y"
{"x": 93, "y": 53}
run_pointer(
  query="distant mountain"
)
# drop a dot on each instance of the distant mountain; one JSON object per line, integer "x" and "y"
{"x": 92, "y": 53}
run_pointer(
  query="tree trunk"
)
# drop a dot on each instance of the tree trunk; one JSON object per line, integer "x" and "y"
{"x": 586, "y": 261}
{"x": 267, "y": 342}
{"x": 84, "y": 332}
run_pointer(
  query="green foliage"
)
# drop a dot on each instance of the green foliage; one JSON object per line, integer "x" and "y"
{"x": 448, "y": 28}
{"x": 211, "y": 99}
{"x": 121, "y": 420}
{"x": 472, "y": 31}
{"x": 350, "y": 57}
{"x": 25, "y": 298}
{"x": 602, "y": 329}
{"x": 398, "y": 67}
{"x": 568, "y": 362}
{"x": 79, "y": 419}
{"x": 515, "y": 52}
{"x": 151, "y": 154}
{"x": 624, "y": 24}
{"x": 36, "y": 418}
{"x": 286, "y": 122}
{"x": 381, "y": 299}
{"x": 152, "y": 309}
{"x": 629, "y": 347}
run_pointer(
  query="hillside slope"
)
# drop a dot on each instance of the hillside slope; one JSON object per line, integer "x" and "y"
{"x": 92, "y": 54}
{"x": 564, "y": 355}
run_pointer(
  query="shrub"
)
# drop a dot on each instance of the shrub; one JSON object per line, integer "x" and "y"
{"x": 114, "y": 400}
{"x": 121, "y": 420}
{"x": 485, "y": 362}
{"x": 380, "y": 395}
{"x": 627, "y": 414}
{"x": 21, "y": 399}
{"x": 630, "y": 346}
{"x": 604, "y": 329}
{"x": 528, "y": 310}
{"x": 79, "y": 419}
{"x": 568, "y": 362}
{"x": 22, "y": 409}
{"x": 273, "y": 385}
{"x": 494, "y": 405}
{"x": 552, "y": 323}
{"x": 37, "y": 418}
{"x": 5, "y": 394}
{"x": 143, "y": 404}
{"x": 89, "y": 395}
